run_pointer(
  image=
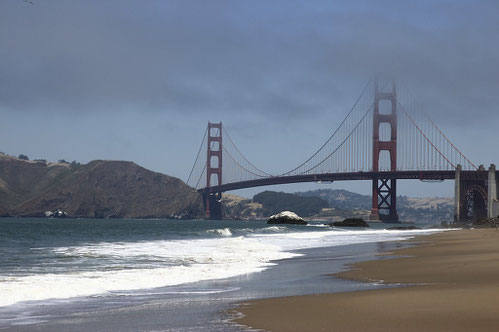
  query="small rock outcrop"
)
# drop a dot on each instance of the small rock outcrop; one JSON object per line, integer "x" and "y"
{"x": 481, "y": 223}
{"x": 486, "y": 223}
{"x": 56, "y": 214}
{"x": 286, "y": 217}
{"x": 350, "y": 222}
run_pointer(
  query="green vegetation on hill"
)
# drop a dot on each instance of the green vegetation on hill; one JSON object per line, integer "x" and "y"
{"x": 340, "y": 199}
{"x": 275, "y": 202}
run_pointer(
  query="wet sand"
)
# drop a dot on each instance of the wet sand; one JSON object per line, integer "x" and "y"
{"x": 455, "y": 287}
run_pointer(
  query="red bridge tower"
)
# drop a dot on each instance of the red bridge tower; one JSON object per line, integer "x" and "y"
{"x": 384, "y": 193}
{"x": 213, "y": 207}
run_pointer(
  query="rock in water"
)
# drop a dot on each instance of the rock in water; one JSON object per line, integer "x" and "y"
{"x": 286, "y": 217}
{"x": 350, "y": 222}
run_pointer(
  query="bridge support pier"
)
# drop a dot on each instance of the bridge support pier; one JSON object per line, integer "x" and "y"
{"x": 471, "y": 194}
{"x": 457, "y": 194}
{"x": 213, "y": 206}
{"x": 492, "y": 203}
{"x": 384, "y": 199}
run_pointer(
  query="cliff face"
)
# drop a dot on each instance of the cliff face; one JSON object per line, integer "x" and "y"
{"x": 101, "y": 189}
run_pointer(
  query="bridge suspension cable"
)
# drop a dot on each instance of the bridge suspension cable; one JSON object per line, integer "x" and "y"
{"x": 420, "y": 144}
{"x": 256, "y": 171}
{"x": 424, "y": 145}
{"x": 196, "y": 174}
{"x": 342, "y": 144}
{"x": 332, "y": 135}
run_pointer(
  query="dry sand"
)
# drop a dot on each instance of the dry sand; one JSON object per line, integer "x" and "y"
{"x": 459, "y": 276}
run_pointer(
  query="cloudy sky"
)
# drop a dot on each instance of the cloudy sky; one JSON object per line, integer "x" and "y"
{"x": 139, "y": 80}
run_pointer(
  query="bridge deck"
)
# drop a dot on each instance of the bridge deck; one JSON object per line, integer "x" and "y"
{"x": 331, "y": 177}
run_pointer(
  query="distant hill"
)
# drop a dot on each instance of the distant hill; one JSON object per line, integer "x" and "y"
{"x": 101, "y": 189}
{"x": 409, "y": 208}
{"x": 340, "y": 199}
{"x": 275, "y": 202}
{"x": 329, "y": 204}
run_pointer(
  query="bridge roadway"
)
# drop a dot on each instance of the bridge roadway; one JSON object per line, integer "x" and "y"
{"x": 351, "y": 176}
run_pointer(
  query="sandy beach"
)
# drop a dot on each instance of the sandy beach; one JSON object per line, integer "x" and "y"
{"x": 453, "y": 282}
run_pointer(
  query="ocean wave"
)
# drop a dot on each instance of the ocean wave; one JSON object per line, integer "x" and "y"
{"x": 173, "y": 292}
{"x": 225, "y": 232}
{"x": 274, "y": 228}
{"x": 195, "y": 260}
{"x": 176, "y": 262}
{"x": 319, "y": 225}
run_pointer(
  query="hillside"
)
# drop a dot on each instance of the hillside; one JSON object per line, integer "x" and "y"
{"x": 340, "y": 199}
{"x": 267, "y": 203}
{"x": 409, "y": 208}
{"x": 329, "y": 204}
{"x": 100, "y": 189}
{"x": 237, "y": 207}
{"x": 275, "y": 202}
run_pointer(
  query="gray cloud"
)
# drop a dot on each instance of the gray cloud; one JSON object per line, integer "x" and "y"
{"x": 190, "y": 56}
{"x": 271, "y": 57}
{"x": 248, "y": 63}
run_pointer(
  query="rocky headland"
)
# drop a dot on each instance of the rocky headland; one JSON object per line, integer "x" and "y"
{"x": 99, "y": 189}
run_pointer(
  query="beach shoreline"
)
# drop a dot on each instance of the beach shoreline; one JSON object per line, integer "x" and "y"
{"x": 450, "y": 283}
{"x": 200, "y": 306}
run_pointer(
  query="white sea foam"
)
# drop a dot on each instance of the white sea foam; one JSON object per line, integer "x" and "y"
{"x": 318, "y": 225}
{"x": 195, "y": 260}
{"x": 178, "y": 262}
{"x": 274, "y": 228}
{"x": 304, "y": 240}
{"x": 221, "y": 232}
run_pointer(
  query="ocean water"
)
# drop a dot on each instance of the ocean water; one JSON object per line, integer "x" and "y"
{"x": 53, "y": 268}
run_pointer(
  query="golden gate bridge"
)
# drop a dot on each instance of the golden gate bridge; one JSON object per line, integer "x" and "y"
{"x": 385, "y": 136}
